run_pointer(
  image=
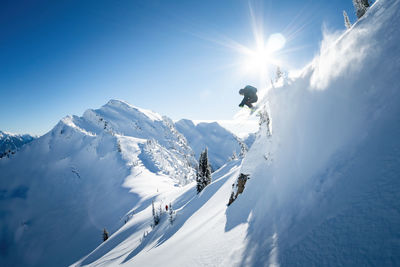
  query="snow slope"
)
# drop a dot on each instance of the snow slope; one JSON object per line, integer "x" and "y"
{"x": 59, "y": 191}
{"x": 10, "y": 142}
{"x": 333, "y": 171}
{"x": 221, "y": 143}
{"x": 198, "y": 227}
{"x": 323, "y": 188}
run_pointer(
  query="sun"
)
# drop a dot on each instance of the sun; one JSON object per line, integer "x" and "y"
{"x": 276, "y": 42}
{"x": 258, "y": 60}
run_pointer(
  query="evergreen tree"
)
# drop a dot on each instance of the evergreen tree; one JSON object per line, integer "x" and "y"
{"x": 203, "y": 177}
{"x": 366, "y": 3}
{"x": 346, "y": 20}
{"x": 361, "y": 7}
{"x": 243, "y": 149}
{"x": 156, "y": 214}
{"x": 105, "y": 234}
{"x": 171, "y": 214}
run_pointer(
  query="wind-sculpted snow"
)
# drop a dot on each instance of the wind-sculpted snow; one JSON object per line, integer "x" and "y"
{"x": 324, "y": 176}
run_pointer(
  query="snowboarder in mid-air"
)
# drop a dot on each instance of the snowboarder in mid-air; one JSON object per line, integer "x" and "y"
{"x": 250, "y": 96}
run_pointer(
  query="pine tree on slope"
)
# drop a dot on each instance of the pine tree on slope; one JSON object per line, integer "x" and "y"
{"x": 156, "y": 214}
{"x": 203, "y": 177}
{"x": 361, "y": 7}
{"x": 105, "y": 234}
{"x": 346, "y": 20}
{"x": 171, "y": 214}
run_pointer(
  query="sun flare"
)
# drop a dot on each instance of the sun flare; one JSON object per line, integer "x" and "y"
{"x": 259, "y": 59}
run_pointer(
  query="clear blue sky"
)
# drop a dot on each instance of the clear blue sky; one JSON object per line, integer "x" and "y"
{"x": 63, "y": 57}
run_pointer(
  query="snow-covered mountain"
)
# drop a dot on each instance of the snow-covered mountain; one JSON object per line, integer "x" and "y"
{"x": 9, "y": 142}
{"x": 221, "y": 143}
{"x": 324, "y": 173}
{"x": 88, "y": 173}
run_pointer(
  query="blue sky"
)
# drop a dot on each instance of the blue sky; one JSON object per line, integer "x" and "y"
{"x": 174, "y": 57}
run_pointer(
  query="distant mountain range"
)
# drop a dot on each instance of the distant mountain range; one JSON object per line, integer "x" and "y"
{"x": 221, "y": 143}
{"x": 9, "y": 142}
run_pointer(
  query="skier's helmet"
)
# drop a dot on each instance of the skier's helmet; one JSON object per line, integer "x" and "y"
{"x": 241, "y": 92}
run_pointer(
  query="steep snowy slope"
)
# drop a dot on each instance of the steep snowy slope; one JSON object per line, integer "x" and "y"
{"x": 59, "y": 191}
{"x": 323, "y": 188}
{"x": 221, "y": 143}
{"x": 12, "y": 142}
{"x": 326, "y": 189}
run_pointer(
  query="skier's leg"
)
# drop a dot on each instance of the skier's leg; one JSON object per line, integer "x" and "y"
{"x": 249, "y": 104}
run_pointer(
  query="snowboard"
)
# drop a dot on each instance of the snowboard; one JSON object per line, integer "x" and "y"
{"x": 252, "y": 110}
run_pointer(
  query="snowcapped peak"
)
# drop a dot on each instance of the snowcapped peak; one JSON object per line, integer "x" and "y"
{"x": 118, "y": 103}
{"x": 126, "y": 107}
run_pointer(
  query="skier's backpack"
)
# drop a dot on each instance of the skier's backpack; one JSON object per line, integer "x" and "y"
{"x": 251, "y": 88}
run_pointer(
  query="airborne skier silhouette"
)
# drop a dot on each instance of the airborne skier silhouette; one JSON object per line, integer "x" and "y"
{"x": 250, "y": 96}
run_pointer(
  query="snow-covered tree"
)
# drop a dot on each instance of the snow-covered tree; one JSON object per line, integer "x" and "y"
{"x": 243, "y": 149}
{"x": 278, "y": 74}
{"x": 119, "y": 146}
{"x": 346, "y": 20}
{"x": 156, "y": 214}
{"x": 171, "y": 214}
{"x": 265, "y": 121}
{"x": 234, "y": 156}
{"x": 366, "y": 3}
{"x": 361, "y": 7}
{"x": 203, "y": 177}
{"x": 105, "y": 234}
